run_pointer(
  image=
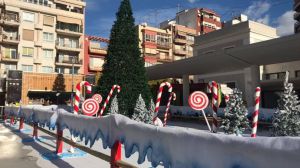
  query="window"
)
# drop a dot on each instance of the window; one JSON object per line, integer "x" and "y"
{"x": 48, "y": 20}
{"x": 27, "y": 52}
{"x": 149, "y": 37}
{"x": 73, "y": 43}
{"x": 47, "y": 53}
{"x": 10, "y": 67}
{"x": 10, "y": 53}
{"x": 47, "y": 69}
{"x": 48, "y": 37}
{"x": 75, "y": 71}
{"x": 27, "y": 16}
{"x": 27, "y": 68}
{"x": 297, "y": 74}
{"x": 28, "y": 35}
{"x": 60, "y": 70}
{"x": 38, "y": 2}
{"x": 271, "y": 76}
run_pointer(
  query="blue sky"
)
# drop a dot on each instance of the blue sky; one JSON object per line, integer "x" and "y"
{"x": 100, "y": 14}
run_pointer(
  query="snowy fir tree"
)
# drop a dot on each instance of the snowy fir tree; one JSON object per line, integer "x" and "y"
{"x": 235, "y": 114}
{"x": 140, "y": 110}
{"x": 124, "y": 65}
{"x": 286, "y": 119}
{"x": 114, "y": 107}
{"x": 150, "y": 113}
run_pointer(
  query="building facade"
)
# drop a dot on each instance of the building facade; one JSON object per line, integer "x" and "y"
{"x": 44, "y": 36}
{"x": 95, "y": 50}
{"x": 297, "y": 15}
{"x": 155, "y": 44}
{"x": 238, "y": 32}
{"x": 201, "y": 19}
{"x": 182, "y": 40}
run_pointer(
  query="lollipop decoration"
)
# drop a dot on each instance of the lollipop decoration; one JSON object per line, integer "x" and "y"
{"x": 199, "y": 101}
{"x": 97, "y": 97}
{"x": 90, "y": 107}
{"x": 256, "y": 111}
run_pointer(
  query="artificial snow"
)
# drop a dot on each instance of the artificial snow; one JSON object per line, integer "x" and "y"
{"x": 174, "y": 146}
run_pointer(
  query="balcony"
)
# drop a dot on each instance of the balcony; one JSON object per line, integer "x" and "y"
{"x": 98, "y": 50}
{"x": 95, "y": 68}
{"x": 7, "y": 39}
{"x": 165, "y": 60}
{"x": 68, "y": 47}
{"x": 10, "y": 19}
{"x": 69, "y": 29}
{"x": 68, "y": 32}
{"x": 164, "y": 45}
{"x": 180, "y": 41}
{"x": 68, "y": 61}
{"x": 9, "y": 58}
{"x": 180, "y": 52}
{"x": 37, "y": 61}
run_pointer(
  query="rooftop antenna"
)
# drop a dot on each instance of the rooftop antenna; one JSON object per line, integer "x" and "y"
{"x": 178, "y": 8}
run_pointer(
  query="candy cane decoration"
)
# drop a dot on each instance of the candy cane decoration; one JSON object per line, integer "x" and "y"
{"x": 108, "y": 97}
{"x": 215, "y": 106}
{"x": 78, "y": 93}
{"x": 172, "y": 95}
{"x": 161, "y": 87}
{"x": 209, "y": 87}
{"x": 256, "y": 111}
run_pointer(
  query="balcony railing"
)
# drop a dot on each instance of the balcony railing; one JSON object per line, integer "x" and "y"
{"x": 98, "y": 50}
{"x": 165, "y": 59}
{"x": 180, "y": 52}
{"x": 10, "y": 39}
{"x": 180, "y": 41}
{"x": 11, "y": 19}
{"x": 68, "y": 46}
{"x": 68, "y": 60}
{"x": 164, "y": 45}
{"x": 10, "y": 58}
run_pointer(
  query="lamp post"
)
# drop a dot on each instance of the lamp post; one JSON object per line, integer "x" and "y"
{"x": 72, "y": 85}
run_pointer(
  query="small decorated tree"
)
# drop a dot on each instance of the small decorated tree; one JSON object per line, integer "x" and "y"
{"x": 235, "y": 115}
{"x": 114, "y": 107}
{"x": 149, "y": 115}
{"x": 286, "y": 120}
{"x": 139, "y": 110}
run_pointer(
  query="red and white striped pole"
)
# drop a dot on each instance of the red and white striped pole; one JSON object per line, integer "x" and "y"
{"x": 78, "y": 93}
{"x": 21, "y": 125}
{"x": 158, "y": 99}
{"x": 255, "y": 113}
{"x": 215, "y": 106}
{"x": 172, "y": 95}
{"x": 12, "y": 120}
{"x": 116, "y": 154}
{"x": 108, "y": 97}
{"x": 59, "y": 141}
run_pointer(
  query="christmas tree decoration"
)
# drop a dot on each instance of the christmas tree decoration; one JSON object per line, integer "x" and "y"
{"x": 235, "y": 114}
{"x": 59, "y": 83}
{"x": 139, "y": 110}
{"x": 123, "y": 64}
{"x": 286, "y": 119}
{"x": 114, "y": 106}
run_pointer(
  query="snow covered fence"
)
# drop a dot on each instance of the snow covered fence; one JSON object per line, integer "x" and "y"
{"x": 177, "y": 147}
{"x": 264, "y": 113}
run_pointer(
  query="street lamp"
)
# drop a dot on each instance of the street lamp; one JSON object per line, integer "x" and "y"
{"x": 73, "y": 60}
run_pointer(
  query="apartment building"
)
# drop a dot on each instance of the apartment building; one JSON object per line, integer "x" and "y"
{"x": 95, "y": 51}
{"x": 182, "y": 40}
{"x": 201, "y": 19}
{"x": 297, "y": 15}
{"x": 155, "y": 44}
{"x": 43, "y": 36}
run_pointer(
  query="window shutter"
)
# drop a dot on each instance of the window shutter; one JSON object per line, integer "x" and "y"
{"x": 48, "y": 20}
{"x": 28, "y": 35}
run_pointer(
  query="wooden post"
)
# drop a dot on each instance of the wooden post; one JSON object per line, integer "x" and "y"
{"x": 59, "y": 141}
{"x": 21, "y": 126}
{"x": 35, "y": 130}
{"x": 116, "y": 152}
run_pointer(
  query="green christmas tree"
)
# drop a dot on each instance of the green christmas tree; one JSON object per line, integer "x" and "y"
{"x": 286, "y": 120}
{"x": 124, "y": 65}
{"x": 59, "y": 83}
{"x": 235, "y": 115}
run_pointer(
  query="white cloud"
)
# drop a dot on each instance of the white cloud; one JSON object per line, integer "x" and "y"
{"x": 191, "y": 1}
{"x": 257, "y": 11}
{"x": 285, "y": 23}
